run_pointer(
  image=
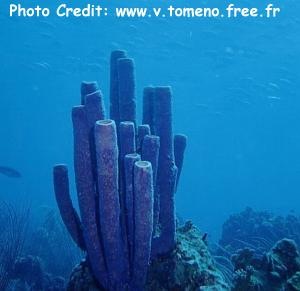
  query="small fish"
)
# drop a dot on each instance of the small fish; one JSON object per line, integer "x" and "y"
{"x": 273, "y": 85}
{"x": 204, "y": 237}
{"x": 286, "y": 81}
{"x": 43, "y": 65}
{"x": 10, "y": 172}
{"x": 273, "y": 97}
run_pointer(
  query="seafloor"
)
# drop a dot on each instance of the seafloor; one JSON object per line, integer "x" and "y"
{"x": 247, "y": 257}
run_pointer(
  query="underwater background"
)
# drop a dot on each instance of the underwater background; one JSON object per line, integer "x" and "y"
{"x": 236, "y": 96}
{"x": 235, "y": 85}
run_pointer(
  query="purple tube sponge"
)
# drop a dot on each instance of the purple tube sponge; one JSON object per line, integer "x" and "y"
{"x": 126, "y": 146}
{"x": 127, "y": 138}
{"x": 143, "y": 130}
{"x": 148, "y": 107}
{"x": 180, "y": 141}
{"x": 126, "y": 205}
{"x": 143, "y": 221}
{"x": 109, "y": 204}
{"x": 88, "y": 88}
{"x": 94, "y": 107}
{"x": 150, "y": 153}
{"x": 86, "y": 192}
{"x": 65, "y": 205}
{"x": 129, "y": 162}
{"x": 114, "y": 85}
{"x": 127, "y": 102}
{"x": 167, "y": 171}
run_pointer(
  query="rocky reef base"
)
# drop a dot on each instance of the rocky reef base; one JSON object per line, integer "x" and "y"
{"x": 276, "y": 270}
{"x": 258, "y": 250}
{"x": 189, "y": 267}
{"x": 250, "y": 261}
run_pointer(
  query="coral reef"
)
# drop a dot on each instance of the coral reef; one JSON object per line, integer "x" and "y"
{"x": 51, "y": 242}
{"x": 293, "y": 283}
{"x": 13, "y": 230}
{"x": 278, "y": 269}
{"x": 29, "y": 271}
{"x": 34, "y": 256}
{"x": 262, "y": 248}
{"x": 29, "y": 274}
{"x": 126, "y": 178}
{"x": 188, "y": 267}
{"x": 258, "y": 230}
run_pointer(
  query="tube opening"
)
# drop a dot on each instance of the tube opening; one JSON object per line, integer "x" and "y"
{"x": 105, "y": 122}
{"x": 143, "y": 164}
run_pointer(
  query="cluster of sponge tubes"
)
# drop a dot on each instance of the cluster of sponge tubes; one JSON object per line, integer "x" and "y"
{"x": 126, "y": 176}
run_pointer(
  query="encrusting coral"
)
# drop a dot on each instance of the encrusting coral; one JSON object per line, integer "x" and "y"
{"x": 126, "y": 177}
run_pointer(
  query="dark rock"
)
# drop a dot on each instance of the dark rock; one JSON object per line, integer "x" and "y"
{"x": 285, "y": 258}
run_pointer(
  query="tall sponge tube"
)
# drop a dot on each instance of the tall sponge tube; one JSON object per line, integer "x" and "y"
{"x": 143, "y": 221}
{"x": 109, "y": 204}
{"x": 114, "y": 85}
{"x": 127, "y": 101}
{"x": 129, "y": 162}
{"x": 86, "y": 192}
{"x": 167, "y": 171}
{"x": 150, "y": 153}
{"x": 65, "y": 205}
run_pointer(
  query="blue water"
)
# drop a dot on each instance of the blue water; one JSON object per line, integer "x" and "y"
{"x": 236, "y": 95}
